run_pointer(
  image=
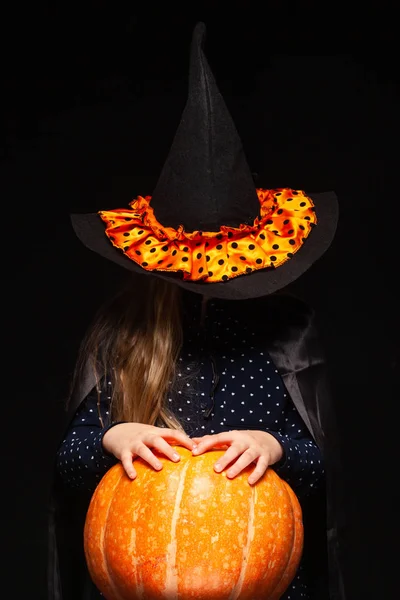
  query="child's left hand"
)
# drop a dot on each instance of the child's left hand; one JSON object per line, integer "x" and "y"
{"x": 244, "y": 447}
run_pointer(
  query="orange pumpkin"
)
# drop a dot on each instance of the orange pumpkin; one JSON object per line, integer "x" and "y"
{"x": 186, "y": 532}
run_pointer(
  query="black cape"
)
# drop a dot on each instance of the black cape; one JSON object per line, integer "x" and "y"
{"x": 288, "y": 328}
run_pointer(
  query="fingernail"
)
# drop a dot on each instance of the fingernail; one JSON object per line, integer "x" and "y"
{"x": 195, "y": 450}
{"x": 175, "y": 456}
{"x": 194, "y": 446}
{"x": 158, "y": 466}
{"x": 217, "y": 467}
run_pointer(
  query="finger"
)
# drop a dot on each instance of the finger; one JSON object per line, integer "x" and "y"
{"x": 244, "y": 461}
{"x": 160, "y": 444}
{"x": 198, "y": 439}
{"x": 126, "y": 461}
{"x": 146, "y": 454}
{"x": 214, "y": 441}
{"x": 177, "y": 436}
{"x": 259, "y": 471}
{"x": 230, "y": 455}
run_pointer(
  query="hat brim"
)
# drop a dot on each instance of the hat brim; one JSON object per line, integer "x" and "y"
{"x": 90, "y": 230}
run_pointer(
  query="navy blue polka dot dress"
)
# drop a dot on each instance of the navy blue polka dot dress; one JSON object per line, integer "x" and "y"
{"x": 225, "y": 380}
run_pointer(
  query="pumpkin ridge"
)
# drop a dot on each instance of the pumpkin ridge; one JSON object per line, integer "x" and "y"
{"x": 171, "y": 585}
{"x": 102, "y": 545}
{"x": 246, "y": 549}
{"x": 134, "y": 562}
{"x": 293, "y": 546}
{"x": 95, "y": 531}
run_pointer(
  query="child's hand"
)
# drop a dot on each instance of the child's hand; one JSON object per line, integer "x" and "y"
{"x": 244, "y": 448}
{"x": 127, "y": 440}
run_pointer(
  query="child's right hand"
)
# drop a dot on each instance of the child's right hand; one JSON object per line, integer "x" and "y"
{"x": 128, "y": 440}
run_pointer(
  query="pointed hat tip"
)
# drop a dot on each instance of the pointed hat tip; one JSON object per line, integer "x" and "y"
{"x": 199, "y": 34}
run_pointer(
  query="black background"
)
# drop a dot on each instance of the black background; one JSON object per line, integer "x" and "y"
{"x": 92, "y": 96}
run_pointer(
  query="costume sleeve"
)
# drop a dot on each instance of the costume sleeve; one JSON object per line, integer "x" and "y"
{"x": 81, "y": 460}
{"x": 301, "y": 465}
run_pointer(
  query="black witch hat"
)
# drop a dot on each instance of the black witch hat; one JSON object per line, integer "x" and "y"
{"x": 206, "y": 227}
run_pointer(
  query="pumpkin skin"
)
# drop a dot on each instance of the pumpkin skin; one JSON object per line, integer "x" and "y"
{"x": 186, "y": 532}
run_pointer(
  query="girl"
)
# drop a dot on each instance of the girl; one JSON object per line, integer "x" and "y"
{"x": 200, "y": 348}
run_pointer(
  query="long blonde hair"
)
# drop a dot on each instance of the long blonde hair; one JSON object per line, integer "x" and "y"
{"x": 135, "y": 340}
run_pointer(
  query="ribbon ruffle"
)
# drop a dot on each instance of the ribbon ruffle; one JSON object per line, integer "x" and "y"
{"x": 285, "y": 221}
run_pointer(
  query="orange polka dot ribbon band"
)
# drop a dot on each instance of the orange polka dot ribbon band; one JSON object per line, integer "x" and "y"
{"x": 285, "y": 221}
